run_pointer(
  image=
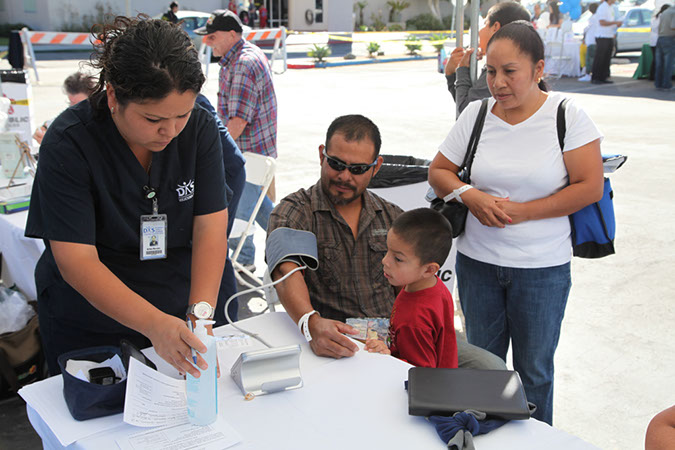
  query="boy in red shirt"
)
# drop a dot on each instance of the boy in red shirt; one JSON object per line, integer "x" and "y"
{"x": 421, "y": 329}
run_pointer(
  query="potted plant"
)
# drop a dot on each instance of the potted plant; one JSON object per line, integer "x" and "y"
{"x": 413, "y": 44}
{"x": 373, "y": 49}
{"x": 438, "y": 40}
{"x": 319, "y": 53}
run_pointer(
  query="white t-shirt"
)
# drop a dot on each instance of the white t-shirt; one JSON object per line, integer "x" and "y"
{"x": 591, "y": 30}
{"x": 522, "y": 162}
{"x": 654, "y": 33}
{"x": 605, "y": 12}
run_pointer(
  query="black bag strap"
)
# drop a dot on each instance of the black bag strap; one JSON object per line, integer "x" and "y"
{"x": 562, "y": 126}
{"x": 475, "y": 137}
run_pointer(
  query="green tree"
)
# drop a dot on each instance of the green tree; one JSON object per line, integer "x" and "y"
{"x": 361, "y": 6}
{"x": 395, "y": 9}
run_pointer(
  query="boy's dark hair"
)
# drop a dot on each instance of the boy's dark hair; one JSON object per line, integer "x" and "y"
{"x": 427, "y": 231}
{"x": 593, "y": 7}
{"x": 507, "y": 12}
{"x": 355, "y": 127}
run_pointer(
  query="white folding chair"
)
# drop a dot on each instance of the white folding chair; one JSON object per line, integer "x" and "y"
{"x": 260, "y": 171}
{"x": 554, "y": 47}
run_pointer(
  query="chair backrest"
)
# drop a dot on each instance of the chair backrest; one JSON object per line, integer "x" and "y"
{"x": 551, "y": 35}
{"x": 566, "y": 27}
{"x": 260, "y": 169}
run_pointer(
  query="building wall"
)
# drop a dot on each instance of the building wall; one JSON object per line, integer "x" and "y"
{"x": 340, "y": 15}
{"x": 337, "y": 15}
{"x": 54, "y": 15}
{"x": 379, "y": 8}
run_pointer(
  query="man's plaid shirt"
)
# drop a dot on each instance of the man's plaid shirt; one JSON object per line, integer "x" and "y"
{"x": 246, "y": 91}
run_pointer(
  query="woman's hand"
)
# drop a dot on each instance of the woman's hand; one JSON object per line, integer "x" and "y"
{"x": 517, "y": 212}
{"x": 209, "y": 330}
{"x": 486, "y": 208}
{"x": 173, "y": 342}
{"x": 455, "y": 57}
{"x": 466, "y": 57}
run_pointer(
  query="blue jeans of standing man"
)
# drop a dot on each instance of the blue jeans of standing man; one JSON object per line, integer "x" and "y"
{"x": 663, "y": 62}
{"x": 524, "y": 306}
{"x": 248, "y": 200}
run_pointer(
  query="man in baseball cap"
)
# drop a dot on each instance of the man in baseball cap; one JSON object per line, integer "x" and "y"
{"x": 247, "y": 105}
{"x": 221, "y": 20}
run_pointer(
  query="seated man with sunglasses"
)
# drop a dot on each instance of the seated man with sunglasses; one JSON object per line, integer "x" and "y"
{"x": 350, "y": 224}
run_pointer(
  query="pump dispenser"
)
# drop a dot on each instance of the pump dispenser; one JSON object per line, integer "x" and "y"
{"x": 202, "y": 392}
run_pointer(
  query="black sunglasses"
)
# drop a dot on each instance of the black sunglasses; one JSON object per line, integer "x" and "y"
{"x": 354, "y": 169}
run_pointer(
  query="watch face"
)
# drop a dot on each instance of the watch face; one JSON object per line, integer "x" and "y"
{"x": 202, "y": 310}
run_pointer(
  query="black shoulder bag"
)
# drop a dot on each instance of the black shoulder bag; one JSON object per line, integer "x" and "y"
{"x": 455, "y": 211}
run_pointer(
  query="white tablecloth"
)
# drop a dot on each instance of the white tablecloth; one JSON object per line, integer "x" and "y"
{"x": 356, "y": 402}
{"x": 19, "y": 254}
{"x": 566, "y": 64}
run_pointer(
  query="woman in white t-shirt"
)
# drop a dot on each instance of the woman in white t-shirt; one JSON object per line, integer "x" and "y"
{"x": 513, "y": 261}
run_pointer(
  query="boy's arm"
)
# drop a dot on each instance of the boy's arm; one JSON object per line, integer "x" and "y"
{"x": 417, "y": 345}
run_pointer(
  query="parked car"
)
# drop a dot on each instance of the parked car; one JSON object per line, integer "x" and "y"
{"x": 635, "y": 31}
{"x": 631, "y": 35}
{"x": 191, "y": 20}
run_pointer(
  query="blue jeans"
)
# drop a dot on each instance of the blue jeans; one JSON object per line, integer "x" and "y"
{"x": 663, "y": 62}
{"x": 523, "y": 306}
{"x": 246, "y": 204}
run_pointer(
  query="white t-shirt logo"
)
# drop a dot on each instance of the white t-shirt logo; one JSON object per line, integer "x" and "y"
{"x": 186, "y": 191}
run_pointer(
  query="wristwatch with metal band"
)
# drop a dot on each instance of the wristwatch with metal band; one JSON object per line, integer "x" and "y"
{"x": 201, "y": 310}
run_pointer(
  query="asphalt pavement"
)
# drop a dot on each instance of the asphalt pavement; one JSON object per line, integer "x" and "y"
{"x": 615, "y": 364}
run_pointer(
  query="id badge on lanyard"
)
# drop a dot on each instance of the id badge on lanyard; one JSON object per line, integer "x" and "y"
{"x": 154, "y": 230}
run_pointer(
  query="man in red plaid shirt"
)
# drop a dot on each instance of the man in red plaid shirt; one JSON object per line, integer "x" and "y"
{"x": 247, "y": 105}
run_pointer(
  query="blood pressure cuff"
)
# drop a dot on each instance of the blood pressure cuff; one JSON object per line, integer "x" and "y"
{"x": 288, "y": 244}
{"x": 89, "y": 400}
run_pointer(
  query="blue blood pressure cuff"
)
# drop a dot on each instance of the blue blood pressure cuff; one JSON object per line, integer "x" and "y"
{"x": 290, "y": 245}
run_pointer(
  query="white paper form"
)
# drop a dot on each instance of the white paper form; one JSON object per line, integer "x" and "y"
{"x": 217, "y": 436}
{"x": 152, "y": 398}
{"x": 46, "y": 398}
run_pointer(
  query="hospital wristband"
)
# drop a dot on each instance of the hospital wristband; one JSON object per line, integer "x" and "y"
{"x": 459, "y": 191}
{"x": 303, "y": 325}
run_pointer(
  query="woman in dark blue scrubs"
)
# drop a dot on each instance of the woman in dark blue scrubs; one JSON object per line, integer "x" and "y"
{"x": 137, "y": 161}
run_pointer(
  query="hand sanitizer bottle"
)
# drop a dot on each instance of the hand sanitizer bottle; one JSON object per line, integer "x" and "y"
{"x": 202, "y": 392}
